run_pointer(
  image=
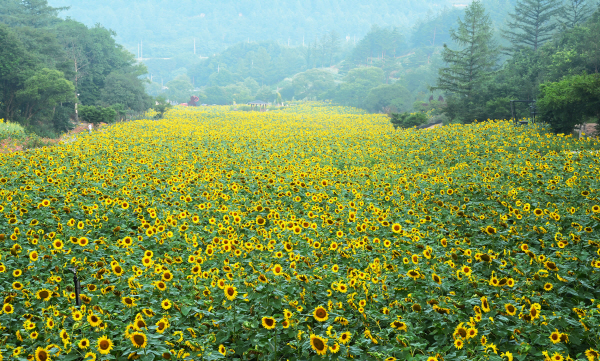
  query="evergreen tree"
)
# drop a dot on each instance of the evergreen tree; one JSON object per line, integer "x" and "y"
{"x": 575, "y": 12}
{"x": 470, "y": 66}
{"x": 531, "y": 25}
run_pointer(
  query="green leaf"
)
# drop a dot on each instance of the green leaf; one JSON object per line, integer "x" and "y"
{"x": 185, "y": 310}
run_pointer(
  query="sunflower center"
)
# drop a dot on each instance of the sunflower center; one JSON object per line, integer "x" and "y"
{"x": 321, "y": 313}
{"x": 139, "y": 340}
{"x": 44, "y": 294}
{"x": 319, "y": 345}
{"x": 269, "y": 322}
{"x": 43, "y": 356}
{"x": 104, "y": 345}
{"x": 230, "y": 291}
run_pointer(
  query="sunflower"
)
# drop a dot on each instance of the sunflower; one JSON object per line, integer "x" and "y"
{"x": 128, "y": 301}
{"x": 222, "y": 350}
{"x": 555, "y": 336}
{"x": 436, "y": 279}
{"x": 396, "y": 228}
{"x": 508, "y": 355}
{"x": 466, "y": 270}
{"x": 551, "y": 266}
{"x": 43, "y": 294}
{"x": 33, "y": 256}
{"x": 335, "y": 348}
{"x": 510, "y": 309}
{"x": 341, "y": 320}
{"x": 490, "y": 230}
{"x": 58, "y": 244}
{"x": 166, "y": 304}
{"x": 230, "y": 292}
{"x": 548, "y": 287}
{"x": 162, "y": 325}
{"x": 94, "y": 320}
{"x": 104, "y": 345}
{"x": 319, "y": 344}
{"x": 592, "y": 355}
{"x": 320, "y": 314}
{"x": 84, "y": 343}
{"x": 139, "y": 323}
{"x": 42, "y": 355}
{"x": 167, "y": 276}
{"x": 268, "y": 322}
{"x": 534, "y": 311}
{"x": 17, "y": 285}
{"x": 345, "y": 337}
{"x": 8, "y": 308}
{"x": 485, "y": 306}
{"x": 161, "y": 285}
{"x": 138, "y": 340}
{"x": 414, "y": 274}
{"x": 399, "y": 325}
{"x": 557, "y": 357}
{"x": 287, "y": 314}
{"x": 458, "y": 343}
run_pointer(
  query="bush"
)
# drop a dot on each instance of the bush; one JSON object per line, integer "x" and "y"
{"x": 408, "y": 120}
{"x": 570, "y": 102}
{"x": 95, "y": 115}
{"x": 11, "y": 130}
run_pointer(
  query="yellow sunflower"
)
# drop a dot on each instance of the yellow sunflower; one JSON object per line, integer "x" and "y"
{"x": 319, "y": 344}
{"x": 230, "y": 292}
{"x": 268, "y": 322}
{"x": 345, "y": 337}
{"x": 84, "y": 343}
{"x": 138, "y": 340}
{"x": 94, "y": 320}
{"x": 166, "y": 304}
{"x": 42, "y": 355}
{"x": 320, "y": 314}
{"x": 104, "y": 345}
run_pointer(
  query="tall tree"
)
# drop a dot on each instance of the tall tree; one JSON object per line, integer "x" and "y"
{"x": 575, "y": 12}
{"x": 32, "y": 13}
{"x": 531, "y": 25}
{"x": 472, "y": 64}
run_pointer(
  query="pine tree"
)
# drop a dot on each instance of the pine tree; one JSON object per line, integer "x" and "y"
{"x": 575, "y": 12}
{"x": 472, "y": 65}
{"x": 531, "y": 25}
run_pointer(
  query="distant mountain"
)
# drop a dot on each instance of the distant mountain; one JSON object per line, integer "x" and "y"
{"x": 168, "y": 27}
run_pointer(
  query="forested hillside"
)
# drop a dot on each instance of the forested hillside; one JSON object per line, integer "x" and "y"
{"x": 48, "y": 65}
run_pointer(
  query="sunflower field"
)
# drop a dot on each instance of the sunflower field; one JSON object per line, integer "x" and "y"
{"x": 314, "y": 232}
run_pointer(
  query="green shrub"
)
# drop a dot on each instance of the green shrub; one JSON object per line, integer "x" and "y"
{"x": 95, "y": 115}
{"x": 11, "y": 130}
{"x": 408, "y": 120}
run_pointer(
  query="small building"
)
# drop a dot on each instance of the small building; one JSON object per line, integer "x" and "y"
{"x": 259, "y": 104}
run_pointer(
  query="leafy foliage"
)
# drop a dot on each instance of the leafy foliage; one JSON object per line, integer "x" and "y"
{"x": 408, "y": 120}
{"x": 570, "y": 101}
{"x": 96, "y": 114}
